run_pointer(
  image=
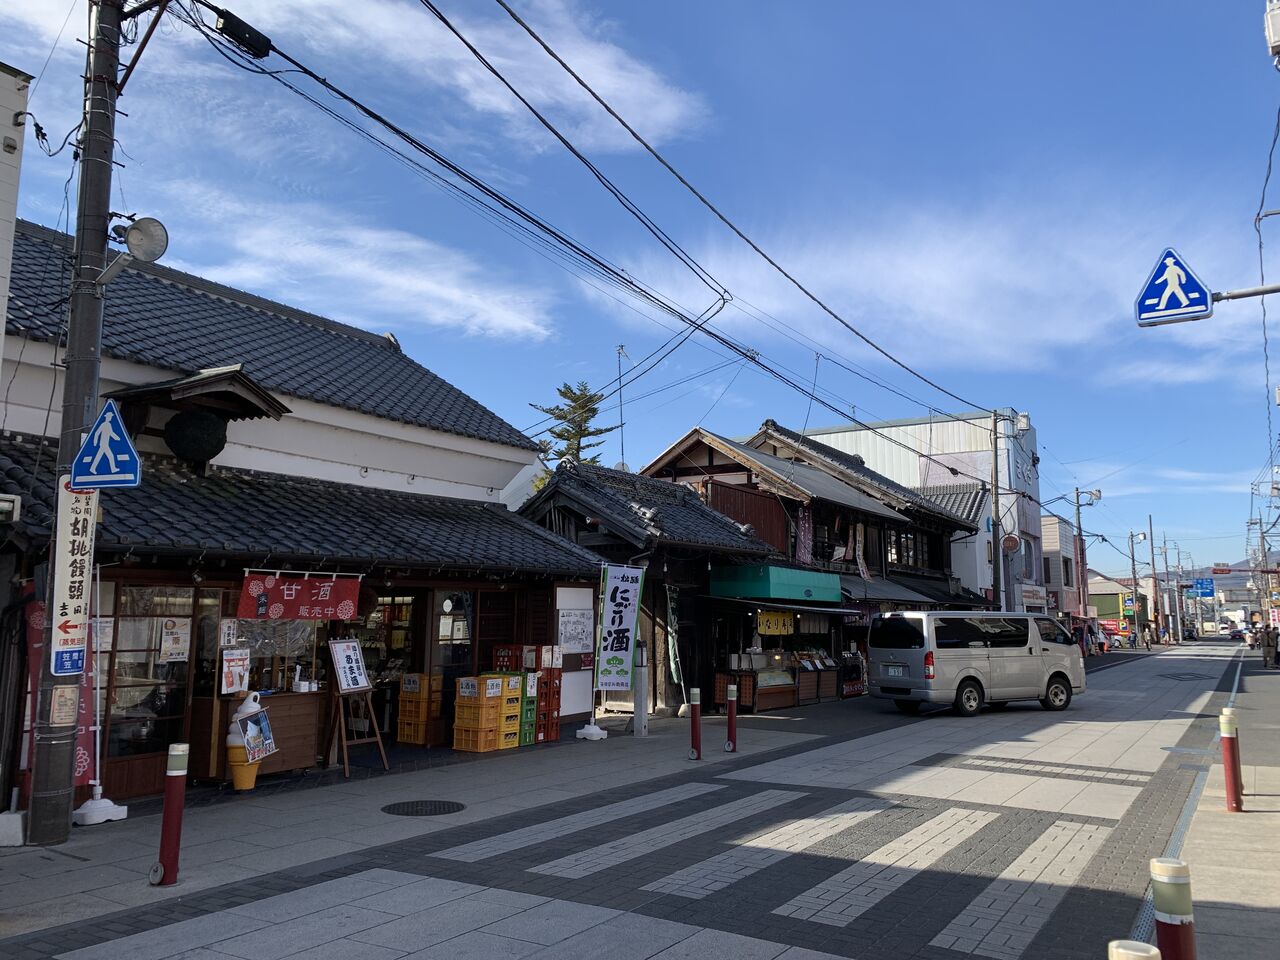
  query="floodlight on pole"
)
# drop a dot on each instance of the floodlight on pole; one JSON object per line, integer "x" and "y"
{"x": 145, "y": 240}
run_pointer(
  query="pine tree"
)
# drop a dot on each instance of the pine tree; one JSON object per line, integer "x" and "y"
{"x": 573, "y": 430}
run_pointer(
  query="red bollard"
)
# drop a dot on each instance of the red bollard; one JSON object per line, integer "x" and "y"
{"x": 731, "y": 745}
{"x": 695, "y": 720}
{"x": 165, "y": 872}
{"x": 1171, "y": 895}
{"x": 1230, "y": 712}
{"x": 1231, "y": 762}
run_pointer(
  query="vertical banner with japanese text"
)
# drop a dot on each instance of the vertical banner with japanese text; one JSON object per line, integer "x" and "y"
{"x": 72, "y": 576}
{"x": 620, "y": 598}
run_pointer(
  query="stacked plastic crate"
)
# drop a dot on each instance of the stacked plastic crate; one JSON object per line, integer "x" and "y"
{"x": 529, "y": 710}
{"x": 547, "y": 722}
{"x": 478, "y": 714}
{"x": 509, "y": 713}
{"x": 419, "y": 705}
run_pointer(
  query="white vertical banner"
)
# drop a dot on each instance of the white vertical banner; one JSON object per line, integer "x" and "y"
{"x": 620, "y": 601}
{"x": 72, "y": 576}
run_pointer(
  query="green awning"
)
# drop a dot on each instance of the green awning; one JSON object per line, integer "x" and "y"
{"x": 775, "y": 583}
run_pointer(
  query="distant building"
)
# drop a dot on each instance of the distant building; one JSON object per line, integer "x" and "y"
{"x": 1061, "y": 561}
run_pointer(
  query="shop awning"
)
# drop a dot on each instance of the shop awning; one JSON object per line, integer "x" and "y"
{"x": 943, "y": 592}
{"x": 797, "y": 607}
{"x": 769, "y": 582}
{"x": 883, "y": 589}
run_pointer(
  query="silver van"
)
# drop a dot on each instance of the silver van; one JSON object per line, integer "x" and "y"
{"x": 969, "y": 658}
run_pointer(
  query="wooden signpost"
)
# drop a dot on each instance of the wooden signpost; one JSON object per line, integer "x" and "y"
{"x": 351, "y": 683}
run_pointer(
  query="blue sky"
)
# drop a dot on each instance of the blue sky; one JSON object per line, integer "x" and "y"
{"x": 981, "y": 188}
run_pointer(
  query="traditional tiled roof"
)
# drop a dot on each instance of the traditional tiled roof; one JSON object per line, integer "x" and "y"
{"x": 175, "y": 321}
{"x": 855, "y": 466}
{"x": 965, "y": 500}
{"x": 650, "y": 511}
{"x": 243, "y": 513}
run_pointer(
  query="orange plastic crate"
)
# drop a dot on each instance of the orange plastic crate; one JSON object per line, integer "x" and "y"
{"x": 508, "y": 739}
{"x": 411, "y": 731}
{"x": 467, "y": 740}
{"x": 486, "y": 713}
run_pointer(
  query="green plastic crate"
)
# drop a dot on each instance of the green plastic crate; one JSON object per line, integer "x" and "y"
{"x": 527, "y": 736}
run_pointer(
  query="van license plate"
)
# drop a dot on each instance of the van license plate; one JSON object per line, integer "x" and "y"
{"x": 895, "y": 670}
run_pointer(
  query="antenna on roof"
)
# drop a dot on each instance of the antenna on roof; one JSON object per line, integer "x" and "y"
{"x": 622, "y": 465}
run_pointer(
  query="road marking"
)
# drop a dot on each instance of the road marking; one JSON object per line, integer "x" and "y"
{"x": 594, "y": 859}
{"x": 563, "y": 826}
{"x": 1003, "y": 920}
{"x": 842, "y": 898}
{"x": 752, "y": 855}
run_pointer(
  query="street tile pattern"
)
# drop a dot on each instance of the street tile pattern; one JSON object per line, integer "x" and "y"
{"x": 612, "y": 854}
{"x": 1038, "y": 768}
{"x": 852, "y": 892}
{"x": 1002, "y": 922}
{"x": 563, "y": 826}
{"x": 754, "y": 854}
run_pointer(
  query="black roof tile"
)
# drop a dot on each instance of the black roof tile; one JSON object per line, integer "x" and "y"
{"x": 175, "y": 321}
{"x": 966, "y": 500}
{"x": 245, "y": 513}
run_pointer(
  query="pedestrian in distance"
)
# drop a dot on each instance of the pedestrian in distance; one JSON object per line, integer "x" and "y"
{"x": 1268, "y": 647}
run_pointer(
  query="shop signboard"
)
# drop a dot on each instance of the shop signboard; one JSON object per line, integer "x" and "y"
{"x": 259, "y": 742}
{"x": 575, "y": 631}
{"x": 271, "y": 596}
{"x": 1275, "y": 617}
{"x": 348, "y": 662}
{"x": 775, "y": 623}
{"x": 175, "y": 640}
{"x": 72, "y": 574}
{"x": 620, "y": 592}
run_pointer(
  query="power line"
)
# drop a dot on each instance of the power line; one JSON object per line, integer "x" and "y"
{"x": 1262, "y": 280}
{"x": 721, "y": 217}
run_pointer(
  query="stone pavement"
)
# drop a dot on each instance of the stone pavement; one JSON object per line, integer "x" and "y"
{"x": 1235, "y": 857}
{"x": 848, "y": 831}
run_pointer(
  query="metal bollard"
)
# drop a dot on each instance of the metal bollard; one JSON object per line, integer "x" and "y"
{"x": 1131, "y": 950}
{"x": 1175, "y": 926}
{"x": 1230, "y": 712}
{"x": 165, "y": 872}
{"x": 731, "y": 745}
{"x": 1231, "y": 763}
{"x": 695, "y": 724}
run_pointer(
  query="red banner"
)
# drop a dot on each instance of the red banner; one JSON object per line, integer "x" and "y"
{"x": 266, "y": 596}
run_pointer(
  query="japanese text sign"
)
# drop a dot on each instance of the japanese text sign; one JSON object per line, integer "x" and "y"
{"x": 621, "y": 587}
{"x": 72, "y": 575}
{"x": 775, "y": 623}
{"x": 348, "y": 665}
{"x": 266, "y": 596}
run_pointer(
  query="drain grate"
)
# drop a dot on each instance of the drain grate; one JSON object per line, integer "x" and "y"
{"x": 423, "y": 808}
{"x": 1186, "y": 676}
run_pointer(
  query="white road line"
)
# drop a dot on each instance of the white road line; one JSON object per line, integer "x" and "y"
{"x": 592, "y": 860}
{"x": 840, "y": 899}
{"x": 563, "y": 826}
{"x": 1002, "y": 921}
{"x": 749, "y": 856}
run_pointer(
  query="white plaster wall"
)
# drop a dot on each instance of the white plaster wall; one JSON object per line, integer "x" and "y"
{"x": 13, "y": 100}
{"x": 314, "y": 440}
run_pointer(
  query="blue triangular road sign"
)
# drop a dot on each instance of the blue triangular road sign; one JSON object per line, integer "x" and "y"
{"x": 107, "y": 457}
{"x": 1172, "y": 294}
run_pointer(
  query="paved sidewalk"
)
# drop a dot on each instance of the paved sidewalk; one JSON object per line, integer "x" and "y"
{"x": 1235, "y": 857}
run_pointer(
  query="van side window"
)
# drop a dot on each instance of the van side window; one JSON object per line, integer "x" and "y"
{"x": 895, "y": 633}
{"x": 1052, "y": 632}
{"x": 958, "y": 633}
{"x": 1010, "y": 633}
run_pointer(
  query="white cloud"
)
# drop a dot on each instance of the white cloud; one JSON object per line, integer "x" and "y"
{"x": 312, "y": 257}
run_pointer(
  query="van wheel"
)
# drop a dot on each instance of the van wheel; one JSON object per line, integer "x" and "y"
{"x": 1057, "y": 695}
{"x": 968, "y": 698}
{"x": 910, "y": 707}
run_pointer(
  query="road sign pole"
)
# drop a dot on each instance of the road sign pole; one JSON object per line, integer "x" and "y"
{"x": 53, "y": 783}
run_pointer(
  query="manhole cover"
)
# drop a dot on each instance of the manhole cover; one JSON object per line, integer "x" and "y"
{"x": 1186, "y": 676}
{"x": 423, "y": 808}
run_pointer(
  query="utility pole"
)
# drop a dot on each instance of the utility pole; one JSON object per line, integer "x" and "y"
{"x": 1081, "y": 577}
{"x": 1175, "y": 634}
{"x": 53, "y": 781}
{"x": 1266, "y": 577}
{"x": 1133, "y": 567}
{"x": 1155, "y": 589}
{"x": 997, "y": 547}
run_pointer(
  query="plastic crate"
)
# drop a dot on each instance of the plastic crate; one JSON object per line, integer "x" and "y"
{"x": 477, "y": 715}
{"x": 527, "y": 736}
{"x": 467, "y": 740}
{"x": 411, "y": 731}
{"x": 509, "y": 721}
{"x": 507, "y": 657}
{"x": 508, "y": 739}
{"x": 531, "y": 685}
{"x": 529, "y": 712}
{"x": 421, "y": 686}
{"x": 473, "y": 689}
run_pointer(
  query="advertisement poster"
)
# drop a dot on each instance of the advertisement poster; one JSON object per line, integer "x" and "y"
{"x": 228, "y": 630}
{"x": 175, "y": 640}
{"x": 775, "y": 623}
{"x": 258, "y": 740}
{"x": 104, "y": 633}
{"x": 235, "y": 669}
{"x": 266, "y": 596}
{"x": 348, "y": 663}
{"x": 621, "y": 587}
{"x": 575, "y": 631}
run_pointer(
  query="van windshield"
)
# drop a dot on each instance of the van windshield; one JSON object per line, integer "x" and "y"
{"x": 895, "y": 633}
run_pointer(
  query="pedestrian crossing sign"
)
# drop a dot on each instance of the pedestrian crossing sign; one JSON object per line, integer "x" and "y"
{"x": 107, "y": 457}
{"x": 1172, "y": 294}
